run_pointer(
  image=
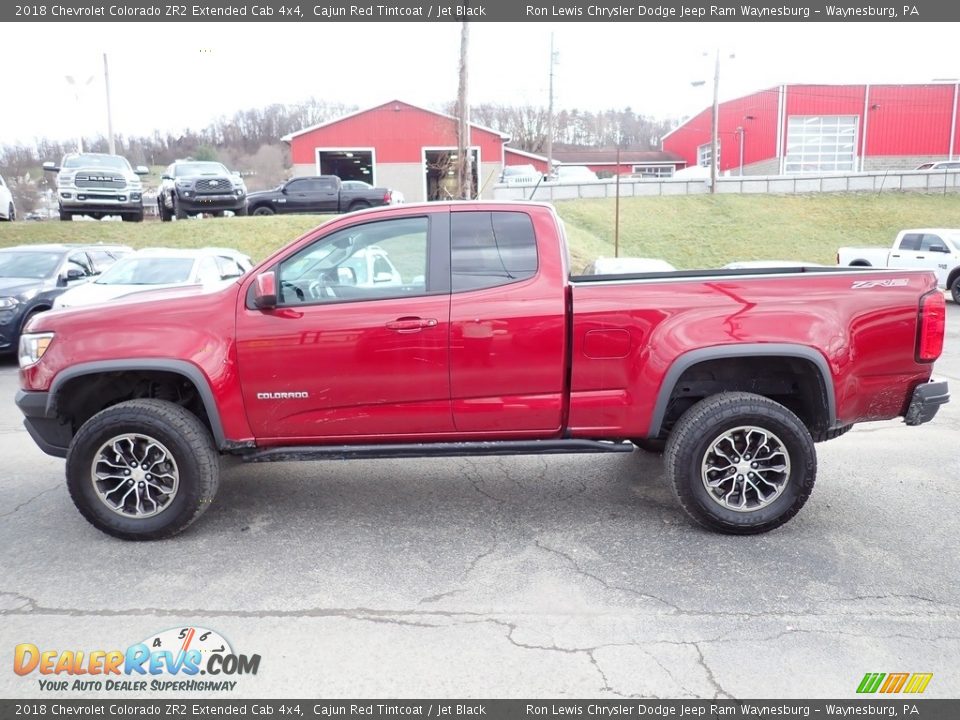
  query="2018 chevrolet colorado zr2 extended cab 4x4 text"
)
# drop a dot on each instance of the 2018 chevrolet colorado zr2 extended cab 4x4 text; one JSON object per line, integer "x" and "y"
{"x": 486, "y": 346}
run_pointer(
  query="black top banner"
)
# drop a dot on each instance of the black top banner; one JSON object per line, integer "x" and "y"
{"x": 477, "y": 10}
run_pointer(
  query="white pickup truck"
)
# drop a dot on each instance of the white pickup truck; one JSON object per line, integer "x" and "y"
{"x": 936, "y": 249}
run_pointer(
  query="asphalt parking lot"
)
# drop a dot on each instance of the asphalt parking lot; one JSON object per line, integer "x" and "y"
{"x": 571, "y": 576}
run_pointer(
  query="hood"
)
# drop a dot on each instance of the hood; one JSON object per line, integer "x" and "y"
{"x": 182, "y": 300}
{"x": 264, "y": 193}
{"x": 10, "y": 286}
{"x": 93, "y": 293}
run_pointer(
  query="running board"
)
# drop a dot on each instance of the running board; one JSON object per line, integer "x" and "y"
{"x": 450, "y": 449}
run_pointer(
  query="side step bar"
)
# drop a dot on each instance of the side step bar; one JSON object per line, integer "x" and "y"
{"x": 451, "y": 449}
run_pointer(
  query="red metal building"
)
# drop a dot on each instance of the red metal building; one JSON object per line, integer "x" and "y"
{"x": 793, "y": 129}
{"x": 398, "y": 145}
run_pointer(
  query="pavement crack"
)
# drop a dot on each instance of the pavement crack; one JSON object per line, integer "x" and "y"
{"x": 596, "y": 578}
{"x": 719, "y": 692}
{"x": 30, "y": 500}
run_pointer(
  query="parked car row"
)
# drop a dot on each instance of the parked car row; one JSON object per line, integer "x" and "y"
{"x": 98, "y": 185}
{"x": 36, "y": 278}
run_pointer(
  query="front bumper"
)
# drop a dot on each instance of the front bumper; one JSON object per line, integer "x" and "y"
{"x": 101, "y": 201}
{"x": 10, "y": 321}
{"x": 205, "y": 202}
{"x": 48, "y": 432}
{"x": 926, "y": 401}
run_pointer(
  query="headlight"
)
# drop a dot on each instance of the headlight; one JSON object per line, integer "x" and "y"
{"x": 33, "y": 346}
{"x": 184, "y": 183}
{"x": 8, "y": 303}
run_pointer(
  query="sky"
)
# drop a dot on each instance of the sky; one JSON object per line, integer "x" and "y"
{"x": 169, "y": 77}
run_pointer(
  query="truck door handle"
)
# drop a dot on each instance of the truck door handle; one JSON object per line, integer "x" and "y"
{"x": 894, "y": 255}
{"x": 411, "y": 324}
{"x": 921, "y": 257}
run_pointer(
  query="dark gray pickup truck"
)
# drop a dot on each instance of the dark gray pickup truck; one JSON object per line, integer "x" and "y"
{"x": 325, "y": 194}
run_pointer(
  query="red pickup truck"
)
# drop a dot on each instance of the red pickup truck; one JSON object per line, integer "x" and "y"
{"x": 484, "y": 345}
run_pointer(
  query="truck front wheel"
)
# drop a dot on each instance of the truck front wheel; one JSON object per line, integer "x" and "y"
{"x": 741, "y": 463}
{"x": 955, "y": 290}
{"x": 142, "y": 469}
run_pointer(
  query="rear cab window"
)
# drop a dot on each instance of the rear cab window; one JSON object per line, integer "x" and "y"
{"x": 490, "y": 249}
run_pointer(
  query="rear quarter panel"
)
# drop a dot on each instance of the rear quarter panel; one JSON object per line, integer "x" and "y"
{"x": 627, "y": 335}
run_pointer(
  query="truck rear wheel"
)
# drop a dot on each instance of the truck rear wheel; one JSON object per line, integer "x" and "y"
{"x": 263, "y": 210}
{"x": 142, "y": 469}
{"x": 741, "y": 463}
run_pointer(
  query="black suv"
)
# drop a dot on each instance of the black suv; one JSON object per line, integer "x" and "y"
{"x": 192, "y": 187}
{"x": 32, "y": 276}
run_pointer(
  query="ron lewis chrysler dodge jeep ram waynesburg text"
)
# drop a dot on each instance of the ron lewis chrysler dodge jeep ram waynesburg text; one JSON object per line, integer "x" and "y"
{"x": 484, "y": 345}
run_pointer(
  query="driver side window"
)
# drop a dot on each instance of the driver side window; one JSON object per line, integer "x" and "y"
{"x": 336, "y": 268}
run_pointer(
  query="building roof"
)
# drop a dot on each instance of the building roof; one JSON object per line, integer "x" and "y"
{"x": 524, "y": 153}
{"x": 291, "y": 136}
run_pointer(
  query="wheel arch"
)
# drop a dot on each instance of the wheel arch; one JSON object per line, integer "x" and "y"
{"x": 181, "y": 368}
{"x": 691, "y": 359}
{"x": 954, "y": 274}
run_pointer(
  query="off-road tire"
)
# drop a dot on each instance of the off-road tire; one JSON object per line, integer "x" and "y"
{"x": 11, "y": 213}
{"x": 955, "y": 290}
{"x": 133, "y": 217}
{"x": 240, "y": 211}
{"x": 178, "y": 212}
{"x": 66, "y": 216}
{"x": 263, "y": 210}
{"x": 358, "y": 205}
{"x": 166, "y": 214}
{"x": 695, "y": 432}
{"x": 188, "y": 441}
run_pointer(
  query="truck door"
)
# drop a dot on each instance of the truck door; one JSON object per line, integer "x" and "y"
{"x": 341, "y": 358}
{"x": 507, "y": 326}
{"x": 923, "y": 251}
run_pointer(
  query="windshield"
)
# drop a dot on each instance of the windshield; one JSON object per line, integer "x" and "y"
{"x": 148, "y": 271}
{"x": 28, "y": 264}
{"x": 191, "y": 169}
{"x": 109, "y": 162}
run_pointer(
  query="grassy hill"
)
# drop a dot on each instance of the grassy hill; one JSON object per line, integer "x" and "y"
{"x": 690, "y": 232}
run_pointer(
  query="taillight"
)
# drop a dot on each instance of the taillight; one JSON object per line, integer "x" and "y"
{"x": 931, "y": 324}
{"x": 387, "y": 197}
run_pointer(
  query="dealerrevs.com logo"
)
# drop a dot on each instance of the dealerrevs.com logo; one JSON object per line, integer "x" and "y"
{"x": 171, "y": 660}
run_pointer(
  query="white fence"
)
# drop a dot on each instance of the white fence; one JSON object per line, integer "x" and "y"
{"x": 879, "y": 181}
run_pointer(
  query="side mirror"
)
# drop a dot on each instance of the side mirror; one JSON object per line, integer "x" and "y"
{"x": 141, "y": 170}
{"x": 382, "y": 277}
{"x": 265, "y": 291}
{"x": 74, "y": 274}
{"x": 938, "y": 248}
{"x": 50, "y": 167}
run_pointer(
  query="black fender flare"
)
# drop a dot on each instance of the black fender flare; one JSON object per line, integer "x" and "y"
{"x": 722, "y": 352}
{"x": 179, "y": 367}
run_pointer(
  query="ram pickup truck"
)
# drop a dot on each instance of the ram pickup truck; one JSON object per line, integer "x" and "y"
{"x": 486, "y": 346}
{"x": 319, "y": 194}
{"x": 935, "y": 249}
{"x": 98, "y": 185}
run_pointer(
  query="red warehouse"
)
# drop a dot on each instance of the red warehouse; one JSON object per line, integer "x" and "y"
{"x": 794, "y": 129}
{"x": 401, "y": 146}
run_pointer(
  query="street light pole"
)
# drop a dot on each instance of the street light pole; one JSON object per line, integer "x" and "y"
{"x": 715, "y": 124}
{"x": 553, "y": 59}
{"x": 106, "y": 80}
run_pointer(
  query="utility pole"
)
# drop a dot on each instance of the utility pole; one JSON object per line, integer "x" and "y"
{"x": 106, "y": 80}
{"x": 553, "y": 59}
{"x": 715, "y": 123}
{"x": 464, "y": 169}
